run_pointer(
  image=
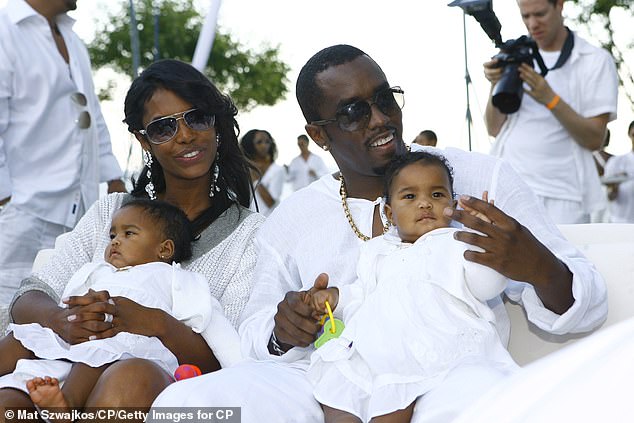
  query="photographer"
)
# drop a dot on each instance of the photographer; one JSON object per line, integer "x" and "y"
{"x": 550, "y": 139}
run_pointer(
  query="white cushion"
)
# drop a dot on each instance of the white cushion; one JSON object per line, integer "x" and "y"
{"x": 610, "y": 247}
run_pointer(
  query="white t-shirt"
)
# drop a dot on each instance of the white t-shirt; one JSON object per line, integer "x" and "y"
{"x": 540, "y": 149}
{"x": 299, "y": 170}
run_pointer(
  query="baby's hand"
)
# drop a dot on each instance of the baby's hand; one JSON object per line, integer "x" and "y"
{"x": 485, "y": 197}
{"x": 319, "y": 298}
{"x": 319, "y": 294}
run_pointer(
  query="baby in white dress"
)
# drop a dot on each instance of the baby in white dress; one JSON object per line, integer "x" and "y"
{"x": 148, "y": 241}
{"x": 417, "y": 310}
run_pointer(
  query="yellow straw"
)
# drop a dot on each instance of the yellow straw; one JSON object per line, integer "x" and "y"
{"x": 333, "y": 328}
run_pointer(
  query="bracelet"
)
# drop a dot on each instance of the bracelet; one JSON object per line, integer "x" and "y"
{"x": 277, "y": 348}
{"x": 554, "y": 102}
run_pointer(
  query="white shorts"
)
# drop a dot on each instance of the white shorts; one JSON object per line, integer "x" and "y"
{"x": 21, "y": 236}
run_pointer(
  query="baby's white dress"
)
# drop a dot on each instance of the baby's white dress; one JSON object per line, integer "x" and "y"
{"x": 183, "y": 294}
{"x": 416, "y": 312}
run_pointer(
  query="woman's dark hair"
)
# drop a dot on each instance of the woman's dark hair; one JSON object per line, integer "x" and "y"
{"x": 247, "y": 143}
{"x": 189, "y": 84}
{"x": 171, "y": 221}
{"x": 401, "y": 161}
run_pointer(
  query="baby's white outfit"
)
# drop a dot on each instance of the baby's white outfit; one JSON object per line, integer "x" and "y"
{"x": 181, "y": 293}
{"x": 416, "y": 312}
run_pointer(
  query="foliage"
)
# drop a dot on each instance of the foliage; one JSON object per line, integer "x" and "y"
{"x": 597, "y": 13}
{"x": 252, "y": 78}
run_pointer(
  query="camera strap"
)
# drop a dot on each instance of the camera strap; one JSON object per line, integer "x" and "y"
{"x": 566, "y": 51}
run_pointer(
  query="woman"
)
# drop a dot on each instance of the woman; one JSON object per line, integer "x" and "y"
{"x": 260, "y": 148}
{"x": 188, "y": 133}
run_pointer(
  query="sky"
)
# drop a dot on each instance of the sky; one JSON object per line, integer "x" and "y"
{"x": 419, "y": 45}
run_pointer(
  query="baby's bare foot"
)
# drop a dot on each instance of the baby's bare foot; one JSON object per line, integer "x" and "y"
{"x": 47, "y": 395}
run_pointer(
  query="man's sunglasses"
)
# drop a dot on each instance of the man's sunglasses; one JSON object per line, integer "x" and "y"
{"x": 356, "y": 116}
{"x": 162, "y": 130}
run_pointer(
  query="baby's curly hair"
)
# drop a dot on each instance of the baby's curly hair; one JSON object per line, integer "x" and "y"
{"x": 171, "y": 221}
{"x": 401, "y": 161}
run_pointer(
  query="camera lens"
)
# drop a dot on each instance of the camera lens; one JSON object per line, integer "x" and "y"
{"x": 507, "y": 94}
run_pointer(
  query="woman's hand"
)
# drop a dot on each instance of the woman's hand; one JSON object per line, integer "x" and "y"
{"x": 85, "y": 318}
{"x": 130, "y": 316}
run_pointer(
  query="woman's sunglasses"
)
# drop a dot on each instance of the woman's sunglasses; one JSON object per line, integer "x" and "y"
{"x": 356, "y": 116}
{"x": 162, "y": 130}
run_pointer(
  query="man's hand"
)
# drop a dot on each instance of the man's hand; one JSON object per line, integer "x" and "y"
{"x": 476, "y": 213}
{"x": 116, "y": 185}
{"x": 491, "y": 72}
{"x": 295, "y": 322}
{"x": 512, "y": 250}
{"x": 539, "y": 88}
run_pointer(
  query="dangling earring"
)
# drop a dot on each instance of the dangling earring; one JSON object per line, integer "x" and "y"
{"x": 149, "y": 188}
{"x": 216, "y": 170}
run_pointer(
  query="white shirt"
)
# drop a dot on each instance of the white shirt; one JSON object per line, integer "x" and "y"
{"x": 49, "y": 166}
{"x": 299, "y": 170}
{"x": 309, "y": 234}
{"x": 541, "y": 150}
{"x": 622, "y": 208}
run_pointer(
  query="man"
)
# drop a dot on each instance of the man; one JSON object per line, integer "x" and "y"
{"x": 550, "y": 140}
{"x": 621, "y": 189}
{"x": 426, "y": 137}
{"x": 307, "y": 167}
{"x": 354, "y": 112}
{"x": 54, "y": 144}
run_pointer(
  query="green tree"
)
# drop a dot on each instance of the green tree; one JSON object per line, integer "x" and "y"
{"x": 250, "y": 77}
{"x": 596, "y": 16}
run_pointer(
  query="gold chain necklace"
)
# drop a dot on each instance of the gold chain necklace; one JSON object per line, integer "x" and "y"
{"x": 346, "y": 210}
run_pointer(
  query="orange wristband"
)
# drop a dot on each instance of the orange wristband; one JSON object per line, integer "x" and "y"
{"x": 554, "y": 102}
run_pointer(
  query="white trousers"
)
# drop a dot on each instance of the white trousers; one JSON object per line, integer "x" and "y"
{"x": 276, "y": 393}
{"x": 565, "y": 211}
{"x": 21, "y": 237}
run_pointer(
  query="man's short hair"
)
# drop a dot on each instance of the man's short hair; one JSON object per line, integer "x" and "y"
{"x": 309, "y": 96}
{"x": 303, "y": 137}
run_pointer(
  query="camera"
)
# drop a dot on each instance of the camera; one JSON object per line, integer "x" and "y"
{"x": 507, "y": 94}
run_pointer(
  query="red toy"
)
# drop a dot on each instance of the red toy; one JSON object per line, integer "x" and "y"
{"x": 185, "y": 371}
